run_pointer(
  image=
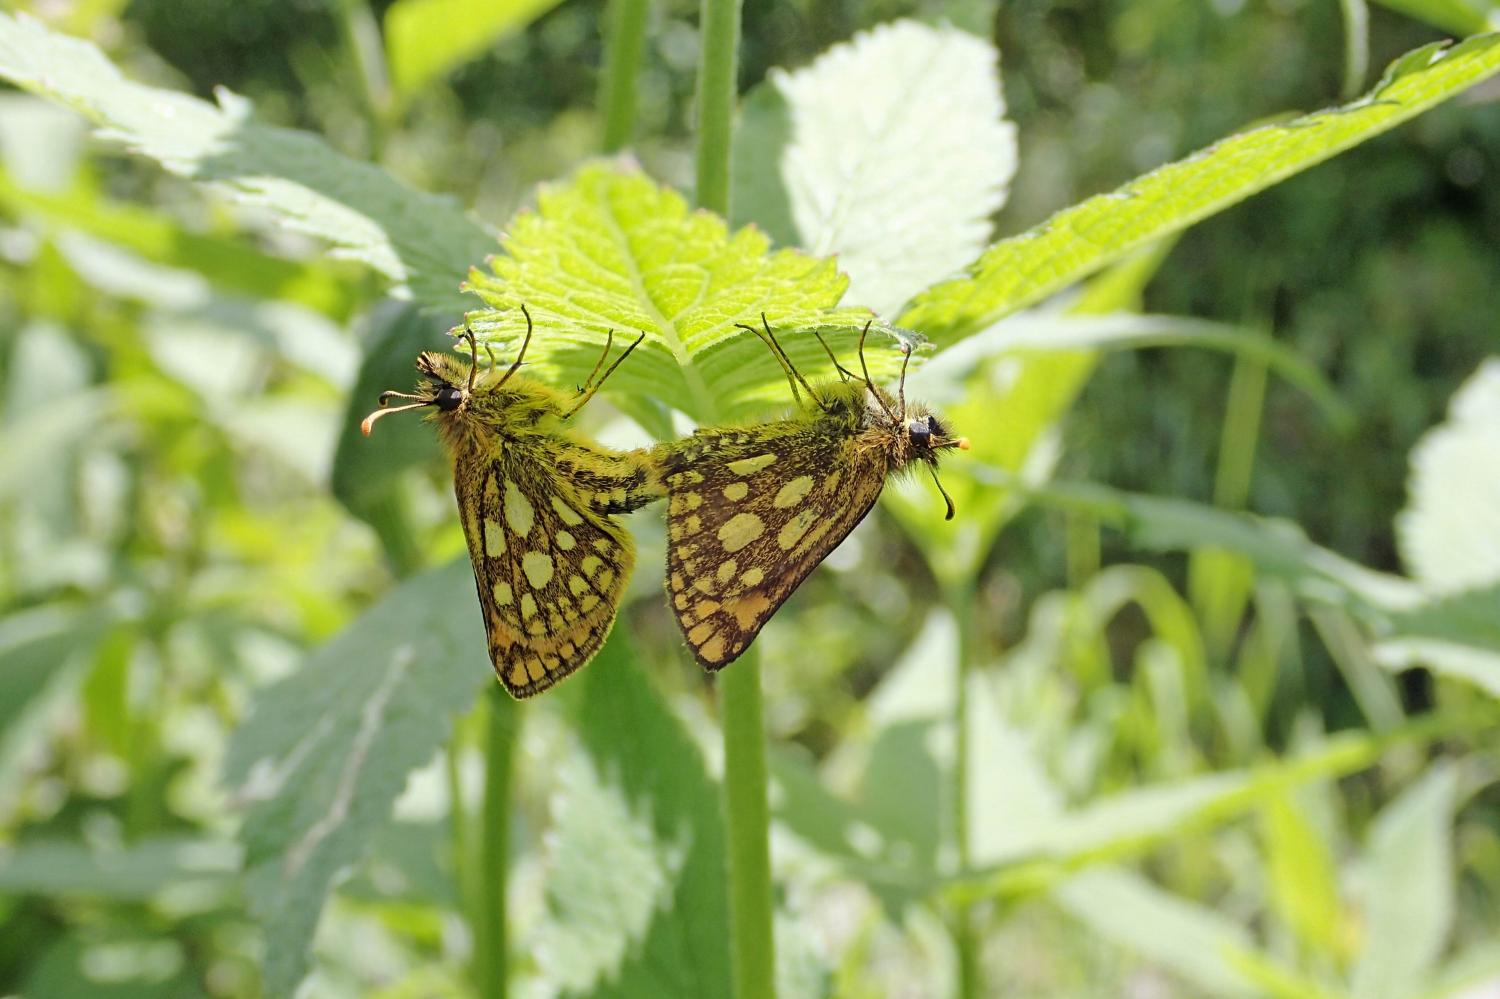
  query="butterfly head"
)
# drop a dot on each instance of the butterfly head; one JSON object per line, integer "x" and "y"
{"x": 927, "y": 436}
{"x": 447, "y": 385}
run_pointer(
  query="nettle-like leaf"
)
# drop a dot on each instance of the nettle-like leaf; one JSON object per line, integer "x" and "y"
{"x": 612, "y": 250}
{"x": 426, "y": 38}
{"x": 421, "y": 242}
{"x": 1077, "y": 241}
{"x": 325, "y": 752}
{"x": 890, "y": 151}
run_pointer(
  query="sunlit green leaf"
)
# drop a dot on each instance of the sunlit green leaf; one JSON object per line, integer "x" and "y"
{"x": 889, "y": 150}
{"x": 418, "y": 241}
{"x": 426, "y": 38}
{"x": 1023, "y": 269}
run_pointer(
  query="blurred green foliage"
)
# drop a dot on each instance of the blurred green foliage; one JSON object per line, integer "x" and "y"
{"x": 1109, "y": 737}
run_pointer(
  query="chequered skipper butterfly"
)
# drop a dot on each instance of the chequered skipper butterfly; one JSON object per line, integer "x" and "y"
{"x": 535, "y": 500}
{"x": 752, "y": 510}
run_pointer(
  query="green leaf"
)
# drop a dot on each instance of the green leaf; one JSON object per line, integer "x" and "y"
{"x": 426, "y": 38}
{"x": 1079, "y": 240}
{"x": 1302, "y": 878}
{"x": 1408, "y": 888}
{"x": 1449, "y": 533}
{"x": 325, "y": 752}
{"x": 1461, "y": 17}
{"x": 637, "y": 903}
{"x": 137, "y": 871}
{"x": 889, "y": 150}
{"x": 419, "y": 241}
{"x": 227, "y": 264}
{"x": 611, "y": 250}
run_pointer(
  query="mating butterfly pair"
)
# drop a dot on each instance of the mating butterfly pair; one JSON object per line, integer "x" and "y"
{"x": 751, "y": 510}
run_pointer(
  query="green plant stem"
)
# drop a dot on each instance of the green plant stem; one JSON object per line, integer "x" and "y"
{"x": 747, "y": 814}
{"x": 490, "y": 944}
{"x": 719, "y": 25}
{"x": 747, "y": 817}
{"x": 960, "y": 599}
{"x": 624, "y": 41}
{"x": 361, "y": 38}
{"x": 1356, "y": 16}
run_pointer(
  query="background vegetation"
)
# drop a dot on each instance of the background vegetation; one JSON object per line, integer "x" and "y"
{"x": 1101, "y": 735}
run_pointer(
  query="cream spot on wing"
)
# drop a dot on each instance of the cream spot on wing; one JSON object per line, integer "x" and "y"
{"x": 494, "y": 539}
{"x": 601, "y": 545}
{"x": 588, "y": 603}
{"x": 699, "y": 633}
{"x": 703, "y": 608}
{"x": 694, "y": 500}
{"x": 792, "y": 530}
{"x": 518, "y": 512}
{"x": 578, "y": 585}
{"x": 752, "y": 577}
{"x": 536, "y": 627}
{"x": 727, "y": 570}
{"x": 606, "y": 579}
{"x": 569, "y": 515}
{"x": 538, "y": 569}
{"x": 528, "y": 606}
{"x": 502, "y": 593}
{"x": 747, "y": 609}
{"x": 565, "y": 541}
{"x": 749, "y": 466}
{"x": 791, "y": 494}
{"x": 680, "y": 601}
{"x": 712, "y": 650}
{"x": 677, "y": 581}
{"x": 517, "y": 675}
{"x": 736, "y": 491}
{"x": 534, "y": 667}
{"x": 590, "y": 565}
{"x": 740, "y": 530}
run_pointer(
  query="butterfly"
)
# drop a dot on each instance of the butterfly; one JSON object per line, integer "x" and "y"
{"x": 752, "y": 510}
{"x": 535, "y": 501}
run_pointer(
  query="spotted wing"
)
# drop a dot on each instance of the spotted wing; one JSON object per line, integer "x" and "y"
{"x": 607, "y": 481}
{"x": 750, "y": 513}
{"x": 549, "y": 568}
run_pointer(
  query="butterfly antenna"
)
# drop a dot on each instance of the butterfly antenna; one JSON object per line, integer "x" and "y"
{"x": 865, "y": 370}
{"x": 609, "y": 339}
{"x": 468, "y": 334}
{"x": 790, "y": 380}
{"x": 605, "y": 377}
{"x": 901, "y": 385}
{"x": 368, "y": 423}
{"x": 524, "y": 344}
{"x": 844, "y": 373}
{"x": 946, "y": 498}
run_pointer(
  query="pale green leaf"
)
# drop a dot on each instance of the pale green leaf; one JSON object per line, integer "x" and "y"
{"x": 1079, "y": 240}
{"x": 324, "y": 753}
{"x": 890, "y": 150}
{"x": 611, "y": 250}
{"x": 426, "y": 38}
{"x": 636, "y": 899}
{"x": 1302, "y": 878}
{"x": 1408, "y": 889}
{"x": 1192, "y": 941}
{"x": 1449, "y": 533}
{"x": 419, "y": 241}
{"x": 1461, "y": 17}
{"x": 140, "y": 870}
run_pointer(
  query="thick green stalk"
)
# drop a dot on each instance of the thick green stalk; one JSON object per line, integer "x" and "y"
{"x": 748, "y": 818}
{"x": 490, "y": 937}
{"x": 624, "y": 41}
{"x": 719, "y": 25}
{"x": 747, "y": 814}
{"x": 960, "y": 599}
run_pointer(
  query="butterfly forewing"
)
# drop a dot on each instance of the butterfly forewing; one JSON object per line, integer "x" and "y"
{"x": 751, "y": 512}
{"x": 549, "y": 567}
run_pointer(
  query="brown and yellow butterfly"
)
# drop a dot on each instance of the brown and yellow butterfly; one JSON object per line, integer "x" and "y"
{"x": 752, "y": 510}
{"x": 535, "y": 500}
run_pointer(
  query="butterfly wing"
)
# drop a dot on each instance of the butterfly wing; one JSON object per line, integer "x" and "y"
{"x": 549, "y": 567}
{"x": 751, "y": 512}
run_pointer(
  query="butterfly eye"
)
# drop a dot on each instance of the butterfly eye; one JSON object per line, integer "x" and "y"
{"x": 448, "y": 398}
{"x": 920, "y": 432}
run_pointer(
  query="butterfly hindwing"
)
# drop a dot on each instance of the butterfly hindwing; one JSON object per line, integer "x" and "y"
{"x": 548, "y": 566}
{"x": 751, "y": 513}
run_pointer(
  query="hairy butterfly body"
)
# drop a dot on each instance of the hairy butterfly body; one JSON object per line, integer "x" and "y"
{"x": 535, "y": 503}
{"x": 753, "y": 510}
